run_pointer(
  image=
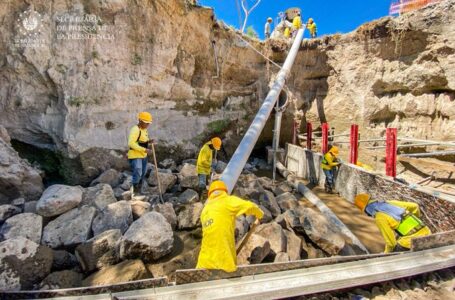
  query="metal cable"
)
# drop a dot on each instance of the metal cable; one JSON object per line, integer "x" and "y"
{"x": 257, "y": 51}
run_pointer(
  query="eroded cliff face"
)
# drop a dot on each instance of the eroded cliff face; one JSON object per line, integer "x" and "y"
{"x": 81, "y": 96}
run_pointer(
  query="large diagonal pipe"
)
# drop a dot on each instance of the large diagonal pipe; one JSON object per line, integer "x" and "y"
{"x": 243, "y": 151}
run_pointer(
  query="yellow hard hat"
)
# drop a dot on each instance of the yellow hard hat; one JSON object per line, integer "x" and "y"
{"x": 216, "y": 186}
{"x": 216, "y": 142}
{"x": 334, "y": 150}
{"x": 361, "y": 201}
{"x": 145, "y": 117}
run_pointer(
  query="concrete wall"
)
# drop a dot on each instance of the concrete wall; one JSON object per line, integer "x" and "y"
{"x": 439, "y": 214}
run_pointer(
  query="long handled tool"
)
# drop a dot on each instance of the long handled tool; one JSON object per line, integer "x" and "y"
{"x": 212, "y": 173}
{"x": 246, "y": 238}
{"x": 156, "y": 172}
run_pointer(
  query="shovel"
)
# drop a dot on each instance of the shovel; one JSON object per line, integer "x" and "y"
{"x": 246, "y": 238}
{"x": 156, "y": 172}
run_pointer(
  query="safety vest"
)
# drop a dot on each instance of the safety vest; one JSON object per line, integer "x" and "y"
{"x": 409, "y": 225}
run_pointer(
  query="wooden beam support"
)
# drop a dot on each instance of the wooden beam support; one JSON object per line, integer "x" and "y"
{"x": 433, "y": 241}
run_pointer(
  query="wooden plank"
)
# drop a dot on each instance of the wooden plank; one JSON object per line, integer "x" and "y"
{"x": 433, "y": 241}
{"x": 200, "y": 275}
{"x": 307, "y": 281}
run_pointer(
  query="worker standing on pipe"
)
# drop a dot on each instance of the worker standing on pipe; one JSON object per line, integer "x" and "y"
{"x": 296, "y": 24}
{"x": 267, "y": 28}
{"x": 398, "y": 221}
{"x": 328, "y": 164}
{"x": 218, "y": 227}
{"x": 138, "y": 142}
{"x": 312, "y": 28}
{"x": 205, "y": 163}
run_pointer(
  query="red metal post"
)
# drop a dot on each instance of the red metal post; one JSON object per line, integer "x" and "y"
{"x": 309, "y": 135}
{"x": 325, "y": 137}
{"x": 354, "y": 148}
{"x": 391, "y": 152}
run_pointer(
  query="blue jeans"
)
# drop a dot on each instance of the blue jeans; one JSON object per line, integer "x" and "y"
{"x": 139, "y": 168}
{"x": 329, "y": 178}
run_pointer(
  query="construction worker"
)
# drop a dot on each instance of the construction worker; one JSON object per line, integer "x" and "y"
{"x": 205, "y": 163}
{"x": 218, "y": 227}
{"x": 398, "y": 221}
{"x": 138, "y": 142}
{"x": 296, "y": 24}
{"x": 312, "y": 28}
{"x": 267, "y": 28}
{"x": 328, "y": 164}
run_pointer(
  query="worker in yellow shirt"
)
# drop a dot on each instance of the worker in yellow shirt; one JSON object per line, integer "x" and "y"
{"x": 312, "y": 28}
{"x": 205, "y": 162}
{"x": 398, "y": 221}
{"x": 138, "y": 142}
{"x": 296, "y": 24}
{"x": 218, "y": 228}
{"x": 328, "y": 165}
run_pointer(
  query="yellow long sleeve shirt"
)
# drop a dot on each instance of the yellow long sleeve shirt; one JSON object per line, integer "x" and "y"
{"x": 297, "y": 22}
{"x": 329, "y": 157}
{"x": 312, "y": 28}
{"x": 135, "y": 150}
{"x": 387, "y": 226}
{"x": 204, "y": 159}
{"x": 218, "y": 225}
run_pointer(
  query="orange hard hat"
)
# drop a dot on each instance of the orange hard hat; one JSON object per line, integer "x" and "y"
{"x": 361, "y": 201}
{"x": 334, "y": 150}
{"x": 216, "y": 186}
{"x": 145, "y": 117}
{"x": 216, "y": 142}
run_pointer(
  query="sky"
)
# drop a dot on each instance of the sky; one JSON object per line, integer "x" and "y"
{"x": 330, "y": 16}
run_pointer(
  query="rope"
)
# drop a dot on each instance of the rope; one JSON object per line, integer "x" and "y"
{"x": 258, "y": 52}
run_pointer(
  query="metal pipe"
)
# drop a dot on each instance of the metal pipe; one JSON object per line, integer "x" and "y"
{"x": 406, "y": 145}
{"x": 243, "y": 151}
{"x": 429, "y": 154}
{"x": 448, "y": 144}
{"x": 276, "y": 140}
{"x": 338, "y": 135}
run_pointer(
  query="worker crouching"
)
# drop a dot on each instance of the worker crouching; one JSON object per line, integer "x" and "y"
{"x": 218, "y": 228}
{"x": 138, "y": 142}
{"x": 205, "y": 162}
{"x": 398, "y": 221}
{"x": 328, "y": 165}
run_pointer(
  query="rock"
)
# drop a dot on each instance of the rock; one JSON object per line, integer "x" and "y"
{"x": 139, "y": 208}
{"x": 281, "y": 257}
{"x": 167, "y": 210}
{"x": 189, "y": 216}
{"x": 18, "y": 178}
{"x": 25, "y": 225}
{"x": 220, "y": 166}
{"x": 268, "y": 200}
{"x": 19, "y": 202}
{"x": 30, "y": 207}
{"x": 321, "y": 232}
{"x": 111, "y": 177}
{"x": 126, "y": 195}
{"x": 125, "y": 271}
{"x": 58, "y": 199}
{"x": 114, "y": 216}
{"x": 293, "y": 245}
{"x": 309, "y": 252}
{"x": 61, "y": 280}
{"x": 241, "y": 227}
{"x": 7, "y": 211}
{"x": 167, "y": 181}
{"x": 266, "y": 183}
{"x": 4, "y": 135}
{"x": 23, "y": 263}
{"x": 267, "y": 218}
{"x": 290, "y": 220}
{"x": 127, "y": 182}
{"x": 69, "y": 229}
{"x": 118, "y": 193}
{"x": 63, "y": 260}
{"x": 188, "y": 177}
{"x": 98, "y": 196}
{"x": 282, "y": 188}
{"x": 188, "y": 196}
{"x": 100, "y": 251}
{"x": 168, "y": 163}
{"x": 287, "y": 201}
{"x": 149, "y": 238}
{"x": 255, "y": 250}
{"x": 274, "y": 234}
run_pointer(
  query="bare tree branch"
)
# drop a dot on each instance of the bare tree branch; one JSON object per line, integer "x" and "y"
{"x": 247, "y": 11}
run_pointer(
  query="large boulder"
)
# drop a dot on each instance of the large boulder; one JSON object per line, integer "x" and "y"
{"x": 18, "y": 177}
{"x": 282, "y": 188}
{"x": 282, "y": 257}
{"x": 7, "y": 211}
{"x": 293, "y": 245}
{"x": 63, "y": 260}
{"x": 168, "y": 163}
{"x": 167, "y": 210}
{"x": 58, "y": 199}
{"x": 167, "y": 180}
{"x": 189, "y": 215}
{"x": 149, "y": 238}
{"x": 188, "y": 196}
{"x": 188, "y": 176}
{"x": 25, "y": 225}
{"x": 111, "y": 177}
{"x": 268, "y": 200}
{"x": 125, "y": 271}
{"x": 255, "y": 250}
{"x": 69, "y": 229}
{"x": 139, "y": 208}
{"x": 267, "y": 218}
{"x": 274, "y": 234}
{"x": 241, "y": 227}
{"x": 117, "y": 215}
{"x": 100, "y": 251}
{"x": 61, "y": 280}
{"x": 23, "y": 264}
{"x": 30, "y": 207}
{"x": 98, "y": 196}
{"x": 287, "y": 201}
